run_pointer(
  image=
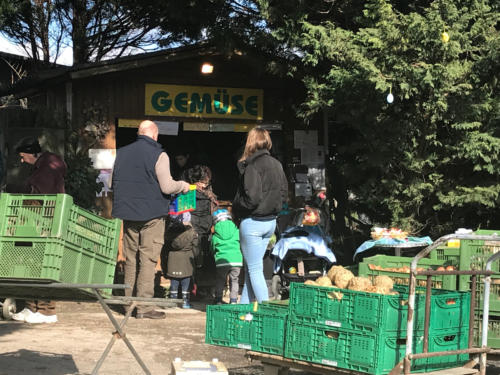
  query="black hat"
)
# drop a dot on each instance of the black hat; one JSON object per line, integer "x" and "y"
{"x": 29, "y": 145}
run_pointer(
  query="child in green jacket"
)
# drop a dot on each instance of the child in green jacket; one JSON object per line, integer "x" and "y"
{"x": 228, "y": 259}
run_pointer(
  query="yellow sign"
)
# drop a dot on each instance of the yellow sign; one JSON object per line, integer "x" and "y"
{"x": 203, "y": 102}
{"x": 128, "y": 123}
{"x": 196, "y": 126}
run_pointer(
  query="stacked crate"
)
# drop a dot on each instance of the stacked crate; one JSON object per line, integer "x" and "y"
{"x": 387, "y": 265}
{"x": 473, "y": 255}
{"x": 49, "y": 238}
{"x": 358, "y": 331}
{"x": 367, "y": 332}
{"x": 261, "y": 327}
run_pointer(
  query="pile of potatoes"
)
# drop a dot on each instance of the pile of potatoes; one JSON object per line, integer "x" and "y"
{"x": 340, "y": 277}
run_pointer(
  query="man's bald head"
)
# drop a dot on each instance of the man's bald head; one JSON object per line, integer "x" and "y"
{"x": 149, "y": 129}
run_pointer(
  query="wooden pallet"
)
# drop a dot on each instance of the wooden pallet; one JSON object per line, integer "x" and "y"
{"x": 278, "y": 365}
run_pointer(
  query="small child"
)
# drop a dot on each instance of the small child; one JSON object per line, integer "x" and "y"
{"x": 201, "y": 217}
{"x": 180, "y": 249}
{"x": 228, "y": 259}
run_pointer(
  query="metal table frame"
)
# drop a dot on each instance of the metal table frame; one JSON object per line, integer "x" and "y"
{"x": 131, "y": 302}
{"x": 404, "y": 245}
{"x": 483, "y": 350}
{"x": 397, "y": 247}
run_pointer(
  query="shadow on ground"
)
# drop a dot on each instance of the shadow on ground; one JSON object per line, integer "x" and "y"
{"x": 23, "y": 361}
{"x": 7, "y": 327}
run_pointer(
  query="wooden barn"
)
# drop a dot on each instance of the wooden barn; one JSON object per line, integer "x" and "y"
{"x": 204, "y": 102}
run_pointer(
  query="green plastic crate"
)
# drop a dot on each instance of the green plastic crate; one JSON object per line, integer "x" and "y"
{"x": 365, "y": 352}
{"x": 494, "y": 309}
{"x": 493, "y": 332}
{"x": 34, "y": 215}
{"x": 472, "y": 255}
{"x": 239, "y": 326}
{"x": 55, "y": 216}
{"x": 388, "y": 261}
{"x": 93, "y": 233}
{"x": 373, "y": 312}
{"x": 47, "y": 259}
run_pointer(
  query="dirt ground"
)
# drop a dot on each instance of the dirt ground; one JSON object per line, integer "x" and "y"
{"x": 76, "y": 342}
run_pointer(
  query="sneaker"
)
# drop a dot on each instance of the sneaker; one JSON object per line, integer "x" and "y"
{"x": 233, "y": 301}
{"x": 22, "y": 315}
{"x": 185, "y": 300}
{"x": 37, "y": 318}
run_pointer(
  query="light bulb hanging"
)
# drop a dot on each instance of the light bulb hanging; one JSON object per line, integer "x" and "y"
{"x": 390, "y": 97}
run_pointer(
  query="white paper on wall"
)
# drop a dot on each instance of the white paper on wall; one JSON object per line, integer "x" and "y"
{"x": 168, "y": 127}
{"x": 102, "y": 158}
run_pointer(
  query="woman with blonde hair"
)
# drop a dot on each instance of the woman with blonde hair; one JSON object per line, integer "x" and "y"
{"x": 262, "y": 189}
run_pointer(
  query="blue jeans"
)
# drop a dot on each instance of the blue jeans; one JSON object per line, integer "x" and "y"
{"x": 184, "y": 283}
{"x": 254, "y": 237}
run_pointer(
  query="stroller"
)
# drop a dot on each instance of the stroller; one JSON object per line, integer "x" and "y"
{"x": 302, "y": 250}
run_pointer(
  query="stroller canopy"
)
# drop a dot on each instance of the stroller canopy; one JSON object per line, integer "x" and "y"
{"x": 310, "y": 239}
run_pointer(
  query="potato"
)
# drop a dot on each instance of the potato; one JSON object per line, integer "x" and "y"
{"x": 342, "y": 278}
{"x": 324, "y": 281}
{"x": 333, "y": 271}
{"x": 377, "y": 289}
{"x": 359, "y": 284}
{"x": 384, "y": 282}
{"x": 310, "y": 282}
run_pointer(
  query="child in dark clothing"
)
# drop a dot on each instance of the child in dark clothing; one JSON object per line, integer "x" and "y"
{"x": 228, "y": 259}
{"x": 206, "y": 204}
{"x": 179, "y": 254}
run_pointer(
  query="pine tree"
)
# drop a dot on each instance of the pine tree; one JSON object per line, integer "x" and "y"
{"x": 429, "y": 161}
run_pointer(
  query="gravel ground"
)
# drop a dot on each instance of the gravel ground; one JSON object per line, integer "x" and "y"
{"x": 76, "y": 342}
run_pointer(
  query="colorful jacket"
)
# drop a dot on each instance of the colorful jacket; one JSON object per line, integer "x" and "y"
{"x": 226, "y": 244}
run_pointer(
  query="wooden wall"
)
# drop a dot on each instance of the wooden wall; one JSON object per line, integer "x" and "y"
{"x": 121, "y": 95}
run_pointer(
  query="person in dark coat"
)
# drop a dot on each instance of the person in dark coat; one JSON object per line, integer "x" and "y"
{"x": 179, "y": 255}
{"x": 182, "y": 161}
{"x": 142, "y": 185}
{"x": 262, "y": 190}
{"x": 47, "y": 177}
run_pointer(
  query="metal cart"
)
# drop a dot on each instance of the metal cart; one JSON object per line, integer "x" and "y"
{"x": 83, "y": 293}
{"x": 278, "y": 365}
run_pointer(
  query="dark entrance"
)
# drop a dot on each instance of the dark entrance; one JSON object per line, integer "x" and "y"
{"x": 218, "y": 150}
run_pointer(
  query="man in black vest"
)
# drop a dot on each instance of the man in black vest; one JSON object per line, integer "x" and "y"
{"x": 141, "y": 181}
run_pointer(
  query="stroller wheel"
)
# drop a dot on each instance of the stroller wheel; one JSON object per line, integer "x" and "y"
{"x": 8, "y": 308}
{"x": 276, "y": 287}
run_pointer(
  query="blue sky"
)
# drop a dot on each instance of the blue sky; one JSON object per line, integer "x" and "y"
{"x": 66, "y": 57}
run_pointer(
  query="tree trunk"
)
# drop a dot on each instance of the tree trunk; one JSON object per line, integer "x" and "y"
{"x": 340, "y": 209}
{"x": 32, "y": 33}
{"x": 79, "y": 32}
{"x": 43, "y": 16}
